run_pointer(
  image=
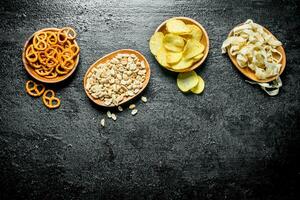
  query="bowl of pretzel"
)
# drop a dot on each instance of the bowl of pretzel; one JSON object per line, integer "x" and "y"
{"x": 51, "y": 55}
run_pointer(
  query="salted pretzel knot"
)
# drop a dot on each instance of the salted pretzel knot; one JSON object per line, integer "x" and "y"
{"x": 32, "y": 88}
{"x": 50, "y": 101}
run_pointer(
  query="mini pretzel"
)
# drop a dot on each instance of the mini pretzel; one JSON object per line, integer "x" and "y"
{"x": 52, "y": 75}
{"x": 62, "y": 36}
{"x": 61, "y": 70}
{"x": 43, "y": 72}
{"x": 31, "y": 54}
{"x": 39, "y": 41}
{"x": 52, "y": 38}
{"x": 51, "y": 62}
{"x": 68, "y": 64}
{"x": 71, "y": 34}
{"x": 36, "y": 65}
{"x": 34, "y": 90}
{"x": 49, "y": 101}
{"x": 75, "y": 49}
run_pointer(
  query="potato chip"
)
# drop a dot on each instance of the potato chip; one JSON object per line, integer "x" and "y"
{"x": 173, "y": 42}
{"x": 192, "y": 49}
{"x": 196, "y": 32}
{"x": 156, "y": 42}
{"x": 173, "y": 57}
{"x": 161, "y": 57}
{"x": 177, "y": 26}
{"x": 199, "y": 87}
{"x": 183, "y": 64}
{"x": 197, "y": 58}
{"x": 187, "y": 80}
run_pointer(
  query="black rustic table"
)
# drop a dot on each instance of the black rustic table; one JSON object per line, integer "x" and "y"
{"x": 231, "y": 142}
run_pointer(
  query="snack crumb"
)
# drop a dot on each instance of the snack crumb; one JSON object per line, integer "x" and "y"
{"x": 132, "y": 106}
{"x": 108, "y": 114}
{"x": 144, "y": 99}
{"x": 113, "y": 116}
{"x": 120, "y": 108}
{"x": 134, "y": 111}
{"x": 102, "y": 122}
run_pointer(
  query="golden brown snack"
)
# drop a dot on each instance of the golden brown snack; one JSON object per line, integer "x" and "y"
{"x": 50, "y": 101}
{"x": 53, "y": 53}
{"x": 32, "y": 88}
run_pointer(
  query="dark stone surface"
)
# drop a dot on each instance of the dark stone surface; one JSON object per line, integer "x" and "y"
{"x": 231, "y": 142}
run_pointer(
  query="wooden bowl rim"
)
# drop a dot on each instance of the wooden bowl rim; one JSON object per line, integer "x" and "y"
{"x": 200, "y": 62}
{"x": 110, "y": 56}
{"x": 248, "y": 72}
{"x": 34, "y": 75}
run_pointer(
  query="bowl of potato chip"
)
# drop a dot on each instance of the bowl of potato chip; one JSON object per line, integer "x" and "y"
{"x": 180, "y": 44}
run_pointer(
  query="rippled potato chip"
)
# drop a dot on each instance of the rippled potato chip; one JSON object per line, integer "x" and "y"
{"x": 173, "y": 57}
{"x": 197, "y": 58}
{"x": 183, "y": 64}
{"x": 187, "y": 80}
{"x": 192, "y": 49}
{"x": 199, "y": 87}
{"x": 161, "y": 57}
{"x": 196, "y": 32}
{"x": 156, "y": 42}
{"x": 177, "y": 26}
{"x": 173, "y": 42}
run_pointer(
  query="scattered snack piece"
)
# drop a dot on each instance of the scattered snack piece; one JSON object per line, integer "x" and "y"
{"x": 134, "y": 112}
{"x": 38, "y": 89}
{"x": 254, "y": 48}
{"x": 120, "y": 108}
{"x": 144, "y": 99}
{"x": 50, "y": 101}
{"x": 179, "y": 46}
{"x": 109, "y": 115}
{"x": 102, "y": 122}
{"x": 132, "y": 106}
{"x": 116, "y": 80}
{"x": 198, "y": 89}
{"x": 53, "y": 53}
{"x": 113, "y": 116}
{"x": 34, "y": 89}
{"x": 187, "y": 80}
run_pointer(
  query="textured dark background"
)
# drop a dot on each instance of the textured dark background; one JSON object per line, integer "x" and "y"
{"x": 231, "y": 142}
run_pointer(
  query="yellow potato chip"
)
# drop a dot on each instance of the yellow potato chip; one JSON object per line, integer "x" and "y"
{"x": 183, "y": 64}
{"x": 199, "y": 87}
{"x": 161, "y": 57}
{"x": 156, "y": 42}
{"x": 173, "y": 57}
{"x": 173, "y": 42}
{"x": 197, "y": 58}
{"x": 196, "y": 32}
{"x": 187, "y": 80}
{"x": 192, "y": 49}
{"x": 177, "y": 26}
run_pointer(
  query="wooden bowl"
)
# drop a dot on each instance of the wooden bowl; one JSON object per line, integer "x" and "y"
{"x": 251, "y": 74}
{"x": 31, "y": 71}
{"x": 204, "y": 40}
{"x": 109, "y": 57}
